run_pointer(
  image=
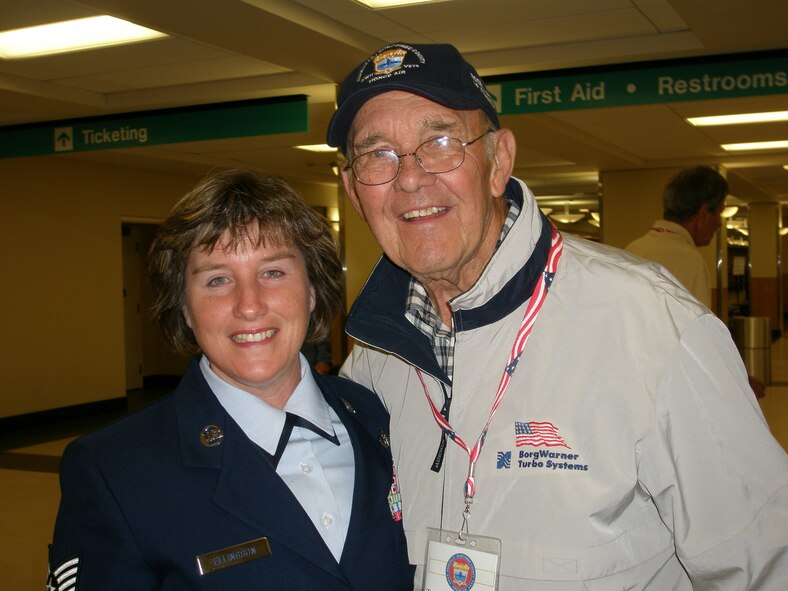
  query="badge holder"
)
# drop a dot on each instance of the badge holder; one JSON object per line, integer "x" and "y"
{"x": 459, "y": 563}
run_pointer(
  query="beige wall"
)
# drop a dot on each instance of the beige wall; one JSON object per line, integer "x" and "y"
{"x": 158, "y": 357}
{"x": 361, "y": 251}
{"x": 631, "y": 201}
{"x": 60, "y": 231}
{"x": 764, "y": 251}
{"x": 764, "y": 236}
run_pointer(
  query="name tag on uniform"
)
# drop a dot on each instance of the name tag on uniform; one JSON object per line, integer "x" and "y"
{"x": 233, "y": 556}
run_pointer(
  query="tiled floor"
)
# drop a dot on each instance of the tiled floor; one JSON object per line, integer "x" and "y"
{"x": 30, "y": 493}
{"x": 29, "y": 490}
{"x": 775, "y": 403}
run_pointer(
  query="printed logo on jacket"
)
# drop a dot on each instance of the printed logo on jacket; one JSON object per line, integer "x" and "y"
{"x": 549, "y": 450}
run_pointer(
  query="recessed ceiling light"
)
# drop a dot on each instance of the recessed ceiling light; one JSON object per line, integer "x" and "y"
{"x": 729, "y": 212}
{"x": 767, "y": 117}
{"x": 776, "y": 145}
{"x": 566, "y": 217}
{"x": 317, "y": 148}
{"x": 75, "y": 35}
{"x": 379, "y": 4}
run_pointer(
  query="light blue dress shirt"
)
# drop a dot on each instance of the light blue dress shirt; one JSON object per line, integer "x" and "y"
{"x": 319, "y": 473}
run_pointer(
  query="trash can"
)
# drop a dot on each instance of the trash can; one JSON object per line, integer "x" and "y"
{"x": 753, "y": 338}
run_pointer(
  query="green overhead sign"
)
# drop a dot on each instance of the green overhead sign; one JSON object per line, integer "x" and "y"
{"x": 149, "y": 128}
{"x": 641, "y": 84}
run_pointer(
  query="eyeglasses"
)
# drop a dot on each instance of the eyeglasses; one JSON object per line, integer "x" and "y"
{"x": 435, "y": 156}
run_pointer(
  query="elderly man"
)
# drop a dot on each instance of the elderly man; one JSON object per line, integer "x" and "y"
{"x": 558, "y": 416}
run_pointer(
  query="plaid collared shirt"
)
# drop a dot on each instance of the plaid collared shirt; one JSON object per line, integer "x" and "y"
{"x": 423, "y": 314}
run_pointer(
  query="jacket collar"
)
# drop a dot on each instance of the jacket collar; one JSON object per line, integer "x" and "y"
{"x": 377, "y": 317}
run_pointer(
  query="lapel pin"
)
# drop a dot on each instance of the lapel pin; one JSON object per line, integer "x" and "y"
{"x": 384, "y": 439}
{"x": 349, "y": 406}
{"x": 211, "y": 436}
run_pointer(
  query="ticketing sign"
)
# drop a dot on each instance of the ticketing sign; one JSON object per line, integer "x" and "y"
{"x": 164, "y": 126}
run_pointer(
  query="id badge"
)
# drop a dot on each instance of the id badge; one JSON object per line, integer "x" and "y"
{"x": 452, "y": 564}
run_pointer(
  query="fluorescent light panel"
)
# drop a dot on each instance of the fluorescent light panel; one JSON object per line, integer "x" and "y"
{"x": 567, "y": 218}
{"x": 379, "y": 4}
{"x": 74, "y": 35}
{"x": 317, "y": 148}
{"x": 767, "y": 117}
{"x": 729, "y": 212}
{"x": 776, "y": 145}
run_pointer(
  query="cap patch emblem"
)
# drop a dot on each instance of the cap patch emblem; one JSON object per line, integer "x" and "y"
{"x": 388, "y": 61}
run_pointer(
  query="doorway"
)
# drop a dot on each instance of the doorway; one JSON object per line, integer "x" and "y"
{"x": 151, "y": 364}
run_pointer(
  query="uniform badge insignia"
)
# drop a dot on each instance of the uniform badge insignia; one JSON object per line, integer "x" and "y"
{"x": 211, "y": 436}
{"x": 65, "y": 576}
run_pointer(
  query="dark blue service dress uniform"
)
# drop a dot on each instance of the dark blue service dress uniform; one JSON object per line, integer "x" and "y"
{"x": 143, "y": 498}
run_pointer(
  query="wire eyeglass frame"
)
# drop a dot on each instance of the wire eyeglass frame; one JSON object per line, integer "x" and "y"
{"x": 442, "y": 143}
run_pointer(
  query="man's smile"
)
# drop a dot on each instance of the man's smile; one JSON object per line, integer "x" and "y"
{"x": 421, "y": 213}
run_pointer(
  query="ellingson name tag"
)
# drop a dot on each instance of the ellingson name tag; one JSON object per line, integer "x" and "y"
{"x": 232, "y": 556}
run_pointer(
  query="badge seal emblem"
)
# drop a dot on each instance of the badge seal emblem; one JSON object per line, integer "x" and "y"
{"x": 460, "y": 572}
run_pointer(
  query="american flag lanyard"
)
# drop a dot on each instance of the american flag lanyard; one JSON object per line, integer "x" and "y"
{"x": 529, "y": 318}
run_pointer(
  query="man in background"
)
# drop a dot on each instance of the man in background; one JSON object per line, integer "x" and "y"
{"x": 693, "y": 203}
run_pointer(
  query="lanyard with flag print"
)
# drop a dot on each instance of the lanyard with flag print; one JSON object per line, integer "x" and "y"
{"x": 529, "y": 319}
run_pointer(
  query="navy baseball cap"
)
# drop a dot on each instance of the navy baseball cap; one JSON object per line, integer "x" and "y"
{"x": 435, "y": 71}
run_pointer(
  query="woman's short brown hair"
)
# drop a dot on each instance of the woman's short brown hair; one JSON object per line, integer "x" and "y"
{"x": 246, "y": 207}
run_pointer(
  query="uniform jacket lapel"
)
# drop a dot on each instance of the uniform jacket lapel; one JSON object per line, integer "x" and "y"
{"x": 373, "y": 469}
{"x": 246, "y": 485}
